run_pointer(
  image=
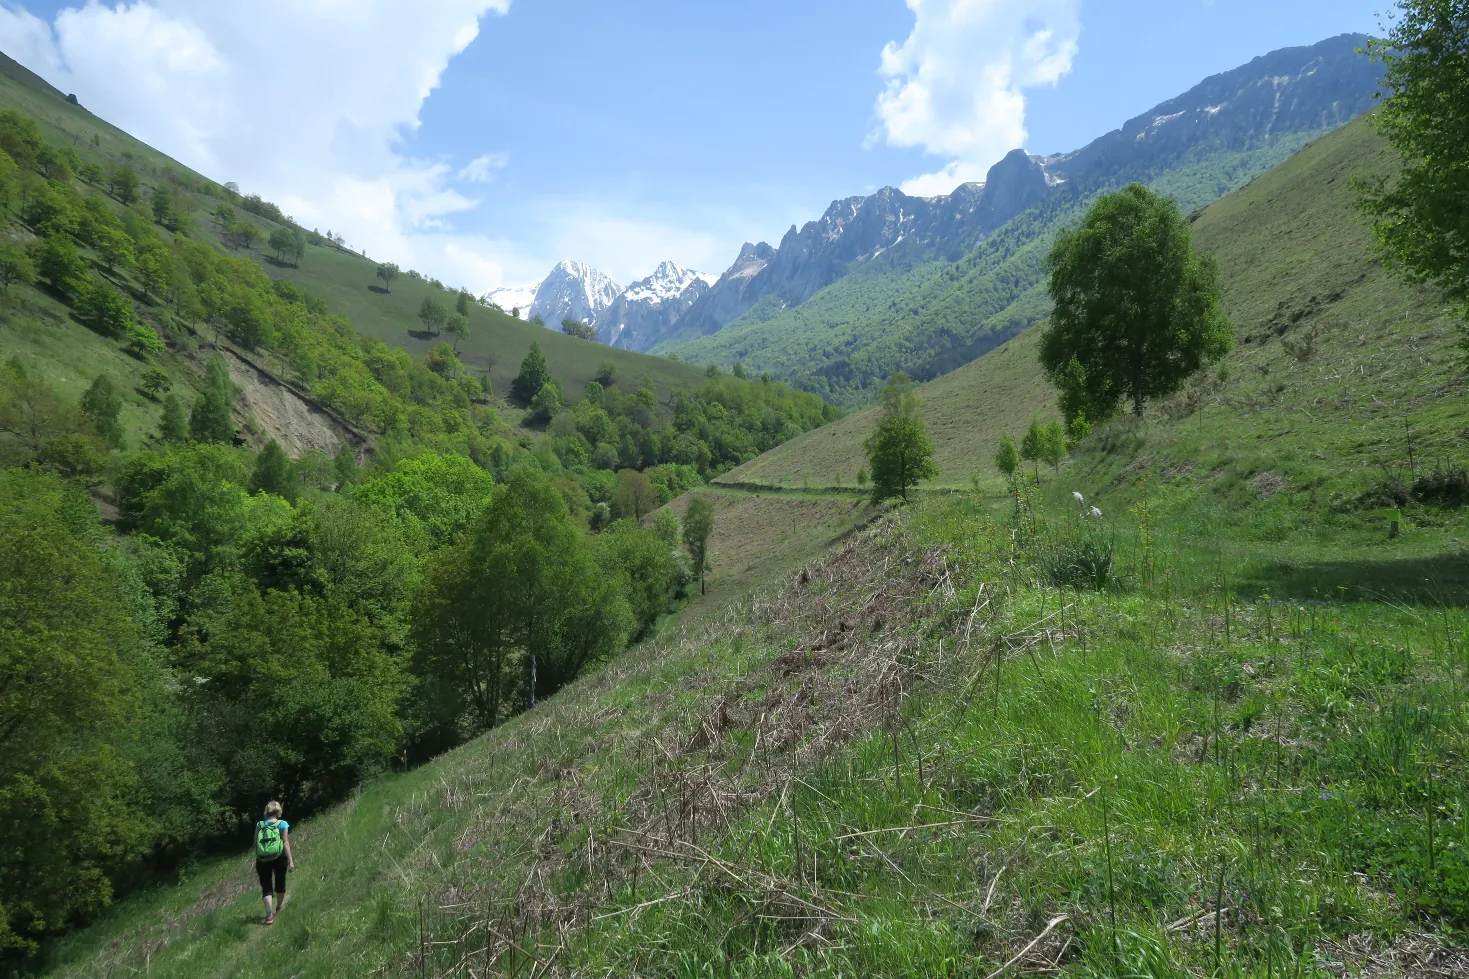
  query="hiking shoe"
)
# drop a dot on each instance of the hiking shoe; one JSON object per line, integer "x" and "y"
{"x": 270, "y": 919}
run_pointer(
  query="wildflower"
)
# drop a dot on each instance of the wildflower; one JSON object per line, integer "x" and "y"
{"x": 1079, "y": 497}
{"x": 1096, "y": 514}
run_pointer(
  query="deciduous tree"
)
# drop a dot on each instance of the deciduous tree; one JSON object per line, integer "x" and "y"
{"x": 212, "y": 418}
{"x": 173, "y": 426}
{"x": 123, "y": 183}
{"x": 580, "y": 330}
{"x": 58, "y": 262}
{"x": 1137, "y": 310}
{"x": 1421, "y": 215}
{"x": 15, "y": 266}
{"x": 1007, "y": 459}
{"x": 698, "y": 524}
{"x": 65, "y": 689}
{"x": 899, "y": 451}
{"x": 634, "y": 497}
{"x": 433, "y": 315}
{"x": 388, "y": 272}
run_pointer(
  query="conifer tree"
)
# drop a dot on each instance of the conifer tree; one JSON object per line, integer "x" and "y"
{"x": 174, "y": 426}
{"x": 102, "y": 404}
{"x": 274, "y": 473}
{"x": 212, "y": 418}
{"x": 533, "y": 375}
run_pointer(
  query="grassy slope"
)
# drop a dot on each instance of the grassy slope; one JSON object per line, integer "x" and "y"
{"x": 497, "y": 341}
{"x": 917, "y": 758}
{"x": 936, "y": 317}
{"x": 1295, "y": 259}
{"x": 344, "y": 279}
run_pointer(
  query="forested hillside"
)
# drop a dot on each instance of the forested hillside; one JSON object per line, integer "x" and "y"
{"x": 242, "y": 543}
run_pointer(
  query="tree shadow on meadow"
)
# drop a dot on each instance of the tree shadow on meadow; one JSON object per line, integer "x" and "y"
{"x": 1442, "y": 579}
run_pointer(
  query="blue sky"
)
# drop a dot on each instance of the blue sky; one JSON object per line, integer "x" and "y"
{"x": 482, "y": 140}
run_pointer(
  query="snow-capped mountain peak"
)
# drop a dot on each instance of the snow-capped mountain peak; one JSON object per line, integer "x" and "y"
{"x": 668, "y": 281}
{"x": 573, "y": 291}
{"x": 514, "y": 299}
{"x": 651, "y": 307}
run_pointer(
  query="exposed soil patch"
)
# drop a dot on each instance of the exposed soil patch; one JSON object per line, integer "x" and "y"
{"x": 282, "y": 414}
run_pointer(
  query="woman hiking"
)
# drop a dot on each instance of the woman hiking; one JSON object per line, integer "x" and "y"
{"x": 273, "y": 858}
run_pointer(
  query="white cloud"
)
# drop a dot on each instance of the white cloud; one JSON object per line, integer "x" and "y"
{"x": 301, "y": 101}
{"x": 482, "y": 169}
{"x": 956, "y": 86}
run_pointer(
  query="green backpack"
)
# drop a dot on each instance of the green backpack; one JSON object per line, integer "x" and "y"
{"x": 268, "y": 842}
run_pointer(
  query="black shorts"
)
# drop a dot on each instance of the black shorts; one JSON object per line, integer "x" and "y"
{"x": 266, "y": 870}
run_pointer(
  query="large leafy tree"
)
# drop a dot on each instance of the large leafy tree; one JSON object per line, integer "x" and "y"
{"x": 518, "y": 607}
{"x": 433, "y": 314}
{"x": 299, "y": 699}
{"x": 642, "y": 559}
{"x": 1137, "y": 310}
{"x": 387, "y": 271}
{"x": 899, "y": 451}
{"x": 634, "y": 496}
{"x": 64, "y": 691}
{"x": 1421, "y": 216}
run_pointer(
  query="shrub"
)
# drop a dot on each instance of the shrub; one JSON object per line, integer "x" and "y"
{"x": 1445, "y": 486}
{"x": 1085, "y": 560}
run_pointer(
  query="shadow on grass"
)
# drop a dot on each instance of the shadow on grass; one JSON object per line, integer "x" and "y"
{"x": 1439, "y": 580}
{"x": 423, "y": 335}
{"x": 379, "y": 290}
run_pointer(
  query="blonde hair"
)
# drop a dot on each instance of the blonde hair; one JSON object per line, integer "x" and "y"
{"x": 273, "y": 810}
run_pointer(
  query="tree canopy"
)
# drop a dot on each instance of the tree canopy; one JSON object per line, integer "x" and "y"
{"x": 1137, "y": 310}
{"x": 899, "y": 451}
{"x": 698, "y": 525}
{"x": 1421, "y": 216}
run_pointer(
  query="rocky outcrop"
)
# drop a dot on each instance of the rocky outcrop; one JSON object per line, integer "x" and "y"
{"x": 861, "y": 229}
